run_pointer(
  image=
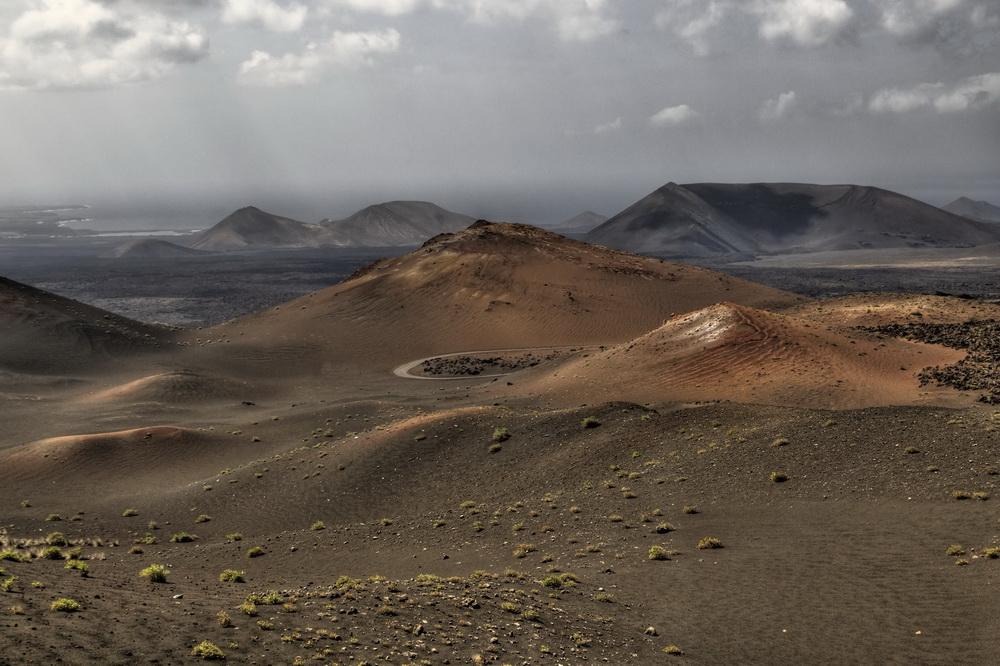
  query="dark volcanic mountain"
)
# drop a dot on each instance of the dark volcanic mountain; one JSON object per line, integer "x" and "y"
{"x": 252, "y": 228}
{"x": 581, "y": 224}
{"x": 45, "y": 333}
{"x": 983, "y": 211}
{"x": 709, "y": 219}
{"x": 153, "y": 248}
{"x": 394, "y": 223}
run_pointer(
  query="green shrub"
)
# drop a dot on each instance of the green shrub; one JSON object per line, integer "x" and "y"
{"x": 52, "y": 553}
{"x": 709, "y": 543}
{"x": 78, "y": 565}
{"x": 65, "y": 605}
{"x": 56, "y": 539}
{"x": 182, "y": 537}
{"x": 129, "y": 513}
{"x": 779, "y": 477}
{"x": 202, "y": 518}
{"x": 658, "y": 553}
{"x": 317, "y": 526}
{"x": 208, "y": 651}
{"x": 590, "y": 422}
{"x": 156, "y": 573}
{"x": 501, "y": 434}
{"x": 255, "y": 551}
{"x": 231, "y": 576}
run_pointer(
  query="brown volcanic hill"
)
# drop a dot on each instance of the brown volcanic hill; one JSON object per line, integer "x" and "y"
{"x": 250, "y": 228}
{"x": 490, "y": 286}
{"x": 742, "y": 354}
{"x": 708, "y": 219}
{"x": 983, "y": 211}
{"x": 394, "y": 223}
{"x": 153, "y": 248}
{"x": 48, "y": 334}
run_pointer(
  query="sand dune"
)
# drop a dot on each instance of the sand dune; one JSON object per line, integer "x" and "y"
{"x": 741, "y": 354}
{"x": 180, "y": 386}
{"x": 124, "y": 461}
{"x": 491, "y": 286}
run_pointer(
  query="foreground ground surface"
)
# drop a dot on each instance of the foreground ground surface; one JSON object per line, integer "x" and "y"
{"x": 723, "y": 473}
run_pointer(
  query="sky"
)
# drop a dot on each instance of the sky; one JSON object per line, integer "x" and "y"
{"x": 510, "y": 109}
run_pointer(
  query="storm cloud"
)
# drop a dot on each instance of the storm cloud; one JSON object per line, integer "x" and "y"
{"x": 517, "y": 108}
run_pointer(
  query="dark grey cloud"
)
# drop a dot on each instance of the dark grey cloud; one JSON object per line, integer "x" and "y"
{"x": 590, "y": 103}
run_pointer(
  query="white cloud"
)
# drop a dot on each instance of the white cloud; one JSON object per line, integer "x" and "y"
{"x": 266, "y": 14}
{"x": 573, "y": 20}
{"x": 804, "y": 22}
{"x": 970, "y": 94}
{"x": 63, "y": 44}
{"x": 779, "y": 107}
{"x": 694, "y": 21}
{"x": 905, "y": 17}
{"x": 384, "y": 7}
{"x": 607, "y": 128}
{"x": 673, "y": 115}
{"x": 343, "y": 49}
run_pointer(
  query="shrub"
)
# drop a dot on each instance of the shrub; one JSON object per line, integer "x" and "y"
{"x": 129, "y": 513}
{"x": 961, "y": 494}
{"x": 385, "y": 522}
{"x": 234, "y": 536}
{"x": 980, "y": 495}
{"x": 11, "y": 556}
{"x": 779, "y": 477}
{"x": 52, "y": 553}
{"x": 208, "y": 651}
{"x": 954, "y": 550}
{"x": 590, "y": 422}
{"x": 248, "y": 608}
{"x": 708, "y": 543}
{"x": 779, "y": 442}
{"x": 658, "y": 553}
{"x": 690, "y": 509}
{"x": 53, "y": 518}
{"x": 317, "y": 526}
{"x": 522, "y": 550}
{"x": 65, "y": 605}
{"x": 495, "y": 448}
{"x": 56, "y": 539}
{"x": 664, "y": 528}
{"x": 7, "y": 584}
{"x": 673, "y": 650}
{"x": 992, "y": 553}
{"x": 202, "y": 518}
{"x": 156, "y": 573}
{"x": 182, "y": 537}
{"x": 224, "y": 619}
{"x": 510, "y": 607}
{"x": 911, "y": 450}
{"x": 255, "y": 551}
{"x": 501, "y": 435}
{"x": 136, "y": 550}
{"x": 78, "y": 565}
{"x": 231, "y": 576}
